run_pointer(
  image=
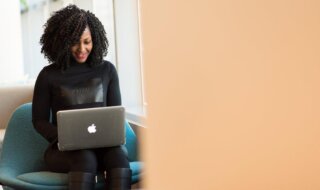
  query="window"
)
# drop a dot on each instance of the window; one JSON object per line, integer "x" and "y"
{"x": 129, "y": 62}
{"x": 120, "y": 19}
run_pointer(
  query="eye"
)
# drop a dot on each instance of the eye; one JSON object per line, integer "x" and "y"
{"x": 87, "y": 42}
{"x": 74, "y": 44}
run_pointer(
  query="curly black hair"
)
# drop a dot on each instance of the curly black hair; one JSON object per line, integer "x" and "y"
{"x": 64, "y": 29}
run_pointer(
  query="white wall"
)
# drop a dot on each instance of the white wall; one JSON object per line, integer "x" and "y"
{"x": 84, "y": 4}
{"x": 11, "y": 47}
{"x": 32, "y": 25}
{"x": 103, "y": 9}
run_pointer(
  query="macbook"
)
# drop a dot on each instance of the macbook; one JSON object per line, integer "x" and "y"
{"x": 91, "y": 128}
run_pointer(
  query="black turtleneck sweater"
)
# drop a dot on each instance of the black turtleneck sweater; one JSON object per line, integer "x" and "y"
{"x": 79, "y": 86}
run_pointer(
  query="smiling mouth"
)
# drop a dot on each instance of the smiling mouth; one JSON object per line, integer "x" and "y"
{"x": 81, "y": 56}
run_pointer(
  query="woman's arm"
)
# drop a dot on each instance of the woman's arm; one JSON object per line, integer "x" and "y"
{"x": 113, "y": 92}
{"x": 41, "y": 108}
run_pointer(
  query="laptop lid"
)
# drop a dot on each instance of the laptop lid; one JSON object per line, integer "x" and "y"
{"x": 91, "y": 128}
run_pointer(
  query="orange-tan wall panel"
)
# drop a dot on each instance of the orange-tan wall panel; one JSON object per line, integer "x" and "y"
{"x": 233, "y": 94}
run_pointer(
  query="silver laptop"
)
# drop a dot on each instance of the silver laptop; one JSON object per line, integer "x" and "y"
{"x": 91, "y": 128}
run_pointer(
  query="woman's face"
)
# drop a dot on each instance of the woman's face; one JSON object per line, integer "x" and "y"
{"x": 81, "y": 50}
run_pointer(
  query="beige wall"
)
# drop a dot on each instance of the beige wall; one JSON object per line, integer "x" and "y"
{"x": 10, "y": 98}
{"x": 233, "y": 94}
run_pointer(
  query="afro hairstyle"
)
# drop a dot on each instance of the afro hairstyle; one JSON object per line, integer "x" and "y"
{"x": 64, "y": 29}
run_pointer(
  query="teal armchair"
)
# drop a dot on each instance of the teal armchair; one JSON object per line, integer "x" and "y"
{"x": 21, "y": 162}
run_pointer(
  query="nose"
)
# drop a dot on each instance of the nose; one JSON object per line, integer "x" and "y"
{"x": 81, "y": 47}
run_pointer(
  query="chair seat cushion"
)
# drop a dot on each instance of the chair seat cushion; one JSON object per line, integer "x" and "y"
{"x": 49, "y": 178}
{"x": 61, "y": 179}
{"x": 45, "y": 178}
{"x": 136, "y": 167}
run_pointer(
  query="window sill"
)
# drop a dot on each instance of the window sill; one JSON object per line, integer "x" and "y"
{"x": 136, "y": 115}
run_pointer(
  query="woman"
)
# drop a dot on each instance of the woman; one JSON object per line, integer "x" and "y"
{"x": 74, "y": 41}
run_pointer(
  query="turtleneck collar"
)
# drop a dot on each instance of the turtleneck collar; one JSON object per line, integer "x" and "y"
{"x": 73, "y": 63}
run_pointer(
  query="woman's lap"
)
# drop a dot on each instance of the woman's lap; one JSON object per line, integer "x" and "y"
{"x": 89, "y": 160}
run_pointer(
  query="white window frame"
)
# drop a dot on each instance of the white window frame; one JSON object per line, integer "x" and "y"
{"x": 129, "y": 62}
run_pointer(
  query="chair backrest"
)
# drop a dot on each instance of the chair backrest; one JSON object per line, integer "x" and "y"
{"x": 131, "y": 143}
{"x": 24, "y": 147}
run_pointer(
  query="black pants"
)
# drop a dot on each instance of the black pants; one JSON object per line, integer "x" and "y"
{"x": 90, "y": 160}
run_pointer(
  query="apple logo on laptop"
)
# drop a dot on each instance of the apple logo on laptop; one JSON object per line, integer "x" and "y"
{"x": 92, "y": 128}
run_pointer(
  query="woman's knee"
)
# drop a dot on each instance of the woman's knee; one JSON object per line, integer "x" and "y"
{"x": 115, "y": 157}
{"x": 84, "y": 160}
